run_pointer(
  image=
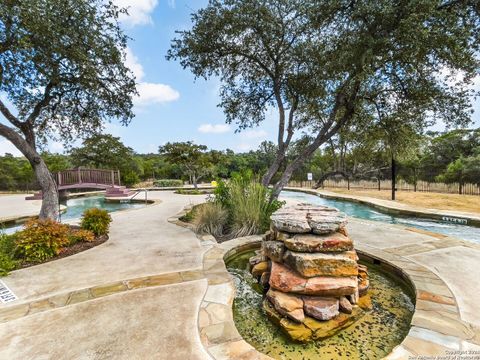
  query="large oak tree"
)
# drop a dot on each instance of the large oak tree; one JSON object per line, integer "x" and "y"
{"x": 62, "y": 75}
{"x": 322, "y": 64}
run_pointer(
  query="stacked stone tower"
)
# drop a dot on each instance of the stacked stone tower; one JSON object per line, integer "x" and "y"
{"x": 309, "y": 266}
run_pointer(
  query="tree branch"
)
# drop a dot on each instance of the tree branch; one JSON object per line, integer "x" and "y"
{"x": 41, "y": 104}
{"x": 9, "y": 116}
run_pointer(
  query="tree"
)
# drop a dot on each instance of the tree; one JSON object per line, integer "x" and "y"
{"x": 463, "y": 170}
{"x": 192, "y": 157}
{"x": 108, "y": 152}
{"x": 62, "y": 70}
{"x": 324, "y": 64}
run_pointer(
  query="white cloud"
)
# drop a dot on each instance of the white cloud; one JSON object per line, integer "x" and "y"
{"x": 7, "y": 147}
{"x": 155, "y": 93}
{"x": 149, "y": 93}
{"x": 138, "y": 11}
{"x": 56, "y": 147}
{"x": 131, "y": 62}
{"x": 171, "y": 3}
{"x": 214, "y": 129}
{"x": 254, "y": 134}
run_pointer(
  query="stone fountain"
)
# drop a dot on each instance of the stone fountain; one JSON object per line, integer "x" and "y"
{"x": 308, "y": 267}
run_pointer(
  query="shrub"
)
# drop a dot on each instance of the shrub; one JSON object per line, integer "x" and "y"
{"x": 168, "y": 183}
{"x": 41, "y": 240}
{"x": 96, "y": 220}
{"x": 211, "y": 218}
{"x": 7, "y": 251}
{"x": 78, "y": 235}
{"x": 248, "y": 204}
{"x": 192, "y": 192}
{"x": 190, "y": 215}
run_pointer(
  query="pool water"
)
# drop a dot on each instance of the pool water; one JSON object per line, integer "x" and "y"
{"x": 372, "y": 337}
{"x": 76, "y": 207}
{"x": 360, "y": 211}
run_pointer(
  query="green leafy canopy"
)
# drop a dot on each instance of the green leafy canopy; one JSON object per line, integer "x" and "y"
{"x": 61, "y": 65}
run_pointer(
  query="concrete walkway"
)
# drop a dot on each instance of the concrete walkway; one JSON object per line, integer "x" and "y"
{"x": 13, "y": 207}
{"x": 138, "y": 296}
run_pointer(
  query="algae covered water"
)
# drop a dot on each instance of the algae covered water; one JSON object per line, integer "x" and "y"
{"x": 371, "y": 337}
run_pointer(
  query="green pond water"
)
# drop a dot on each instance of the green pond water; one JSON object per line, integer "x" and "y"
{"x": 371, "y": 337}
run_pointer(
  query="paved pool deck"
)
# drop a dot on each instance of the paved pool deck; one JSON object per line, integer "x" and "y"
{"x": 155, "y": 290}
{"x": 14, "y": 207}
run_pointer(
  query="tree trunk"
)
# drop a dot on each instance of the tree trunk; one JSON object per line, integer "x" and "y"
{"x": 49, "y": 209}
{"x": 194, "y": 179}
{"x": 45, "y": 179}
{"x": 272, "y": 170}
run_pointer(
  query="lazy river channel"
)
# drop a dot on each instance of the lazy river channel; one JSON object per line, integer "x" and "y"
{"x": 464, "y": 232}
{"x": 76, "y": 207}
{"x": 372, "y": 337}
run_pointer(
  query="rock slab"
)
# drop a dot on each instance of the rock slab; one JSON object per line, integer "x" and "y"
{"x": 322, "y": 264}
{"x": 321, "y": 308}
{"x": 335, "y": 242}
{"x": 286, "y": 280}
{"x": 287, "y": 304}
{"x": 306, "y": 218}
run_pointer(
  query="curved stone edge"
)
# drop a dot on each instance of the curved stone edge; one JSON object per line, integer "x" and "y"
{"x": 56, "y": 301}
{"x": 436, "y": 325}
{"x": 371, "y": 202}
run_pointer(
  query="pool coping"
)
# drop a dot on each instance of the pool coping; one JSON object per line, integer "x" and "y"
{"x": 396, "y": 209}
{"x": 436, "y": 326}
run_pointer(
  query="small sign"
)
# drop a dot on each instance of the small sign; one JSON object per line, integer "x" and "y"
{"x": 455, "y": 220}
{"x": 6, "y": 295}
{"x": 309, "y": 176}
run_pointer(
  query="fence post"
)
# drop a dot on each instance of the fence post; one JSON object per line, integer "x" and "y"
{"x": 79, "y": 176}
{"x": 113, "y": 177}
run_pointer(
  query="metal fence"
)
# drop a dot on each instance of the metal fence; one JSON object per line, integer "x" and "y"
{"x": 421, "y": 186}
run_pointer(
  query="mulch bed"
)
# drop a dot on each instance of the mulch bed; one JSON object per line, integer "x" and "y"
{"x": 69, "y": 251}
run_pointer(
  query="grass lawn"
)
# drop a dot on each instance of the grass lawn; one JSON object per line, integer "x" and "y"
{"x": 465, "y": 203}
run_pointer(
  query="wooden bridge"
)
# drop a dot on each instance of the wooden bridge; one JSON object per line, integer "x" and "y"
{"x": 99, "y": 179}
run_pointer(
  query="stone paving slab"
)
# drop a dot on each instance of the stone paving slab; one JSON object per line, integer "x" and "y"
{"x": 458, "y": 266}
{"x": 149, "y": 323}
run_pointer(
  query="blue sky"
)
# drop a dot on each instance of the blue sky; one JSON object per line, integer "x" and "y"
{"x": 173, "y": 106}
{"x": 187, "y": 108}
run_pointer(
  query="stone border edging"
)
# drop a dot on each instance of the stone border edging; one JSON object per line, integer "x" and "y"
{"x": 419, "y": 213}
{"x": 436, "y": 325}
{"x": 17, "y": 311}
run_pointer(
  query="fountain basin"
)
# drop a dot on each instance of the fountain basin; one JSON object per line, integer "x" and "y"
{"x": 373, "y": 336}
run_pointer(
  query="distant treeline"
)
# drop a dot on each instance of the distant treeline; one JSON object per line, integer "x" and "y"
{"x": 452, "y": 157}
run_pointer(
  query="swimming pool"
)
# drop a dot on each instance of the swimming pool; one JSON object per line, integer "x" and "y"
{"x": 76, "y": 207}
{"x": 361, "y": 211}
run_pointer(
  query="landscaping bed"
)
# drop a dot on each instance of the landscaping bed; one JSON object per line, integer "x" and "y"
{"x": 193, "y": 192}
{"x": 45, "y": 240}
{"x": 69, "y": 251}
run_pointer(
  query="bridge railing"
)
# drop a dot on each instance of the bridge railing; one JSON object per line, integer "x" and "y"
{"x": 90, "y": 176}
